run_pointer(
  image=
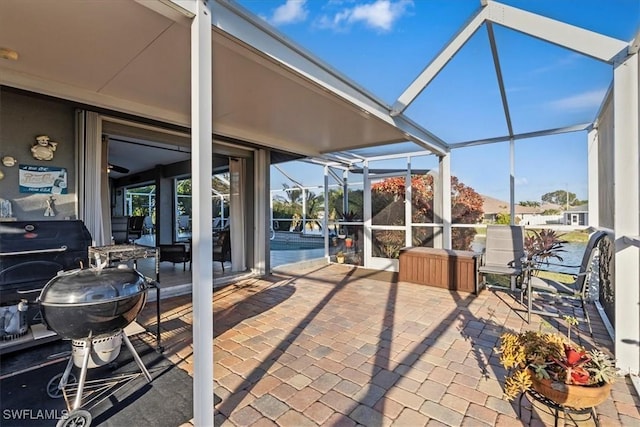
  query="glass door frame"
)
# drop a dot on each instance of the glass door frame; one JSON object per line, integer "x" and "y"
{"x": 380, "y": 263}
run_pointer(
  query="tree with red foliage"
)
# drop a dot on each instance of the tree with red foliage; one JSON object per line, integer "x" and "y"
{"x": 389, "y": 194}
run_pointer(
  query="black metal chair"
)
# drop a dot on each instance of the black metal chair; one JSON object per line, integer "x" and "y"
{"x": 176, "y": 253}
{"x": 222, "y": 248}
{"x": 120, "y": 229}
{"x": 576, "y": 291}
{"x": 136, "y": 224}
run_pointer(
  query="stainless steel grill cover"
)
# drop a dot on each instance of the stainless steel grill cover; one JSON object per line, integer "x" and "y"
{"x": 86, "y": 303}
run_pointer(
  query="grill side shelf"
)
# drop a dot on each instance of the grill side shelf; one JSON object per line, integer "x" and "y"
{"x": 62, "y": 248}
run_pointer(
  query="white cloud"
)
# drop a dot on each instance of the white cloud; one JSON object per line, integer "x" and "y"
{"x": 380, "y": 15}
{"x": 562, "y": 63}
{"x": 582, "y": 101}
{"x": 521, "y": 181}
{"x": 289, "y": 13}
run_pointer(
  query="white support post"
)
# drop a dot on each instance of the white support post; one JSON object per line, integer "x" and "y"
{"x": 408, "y": 206}
{"x": 325, "y": 226}
{"x": 594, "y": 186}
{"x": 512, "y": 180}
{"x": 366, "y": 202}
{"x": 201, "y": 167}
{"x": 345, "y": 191}
{"x": 445, "y": 182}
{"x": 627, "y": 215}
{"x": 304, "y": 211}
{"x": 263, "y": 219}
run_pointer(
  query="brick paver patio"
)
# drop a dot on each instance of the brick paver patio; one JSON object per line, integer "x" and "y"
{"x": 336, "y": 346}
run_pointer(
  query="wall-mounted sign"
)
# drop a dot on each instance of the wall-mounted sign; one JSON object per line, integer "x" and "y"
{"x": 43, "y": 179}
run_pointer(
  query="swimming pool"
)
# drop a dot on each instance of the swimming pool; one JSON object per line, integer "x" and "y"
{"x": 294, "y": 245}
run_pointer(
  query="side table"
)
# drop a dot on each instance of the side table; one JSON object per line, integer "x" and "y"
{"x": 556, "y": 407}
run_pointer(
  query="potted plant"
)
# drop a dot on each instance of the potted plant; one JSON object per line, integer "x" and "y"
{"x": 340, "y": 257}
{"x": 555, "y": 367}
{"x": 541, "y": 246}
{"x": 348, "y": 242}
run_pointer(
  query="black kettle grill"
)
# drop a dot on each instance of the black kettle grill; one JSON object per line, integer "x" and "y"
{"x": 91, "y": 307}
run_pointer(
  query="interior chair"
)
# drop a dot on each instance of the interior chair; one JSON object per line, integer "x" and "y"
{"x": 222, "y": 248}
{"x": 578, "y": 290}
{"x": 136, "y": 224}
{"x": 183, "y": 223}
{"x": 120, "y": 229}
{"x": 147, "y": 225}
{"x": 504, "y": 251}
{"x": 175, "y": 253}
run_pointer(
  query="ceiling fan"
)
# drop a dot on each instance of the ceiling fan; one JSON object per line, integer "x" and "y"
{"x": 116, "y": 168}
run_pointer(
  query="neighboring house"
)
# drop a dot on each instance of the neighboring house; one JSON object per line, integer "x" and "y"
{"x": 577, "y": 215}
{"x": 492, "y": 207}
{"x": 525, "y": 215}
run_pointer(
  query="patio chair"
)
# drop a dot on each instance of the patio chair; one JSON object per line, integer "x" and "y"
{"x": 576, "y": 291}
{"x": 176, "y": 253}
{"x": 135, "y": 227}
{"x": 120, "y": 229}
{"x": 222, "y": 248}
{"x": 503, "y": 253}
{"x": 183, "y": 223}
{"x": 147, "y": 225}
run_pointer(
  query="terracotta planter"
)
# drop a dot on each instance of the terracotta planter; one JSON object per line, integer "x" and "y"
{"x": 573, "y": 396}
{"x": 348, "y": 242}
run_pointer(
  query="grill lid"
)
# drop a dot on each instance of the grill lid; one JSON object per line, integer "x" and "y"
{"x": 93, "y": 286}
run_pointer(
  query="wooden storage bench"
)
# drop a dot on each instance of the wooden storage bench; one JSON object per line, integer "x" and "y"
{"x": 441, "y": 268}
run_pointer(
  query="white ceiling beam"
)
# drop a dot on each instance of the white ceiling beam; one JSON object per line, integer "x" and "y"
{"x": 32, "y": 83}
{"x": 496, "y": 64}
{"x": 397, "y": 156}
{"x": 186, "y": 7}
{"x": 420, "y": 136}
{"x": 634, "y": 46}
{"x": 547, "y": 132}
{"x": 594, "y": 45}
{"x": 438, "y": 63}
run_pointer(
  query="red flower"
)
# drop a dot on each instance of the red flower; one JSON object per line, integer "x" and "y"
{"x": 575, "y": 357}
{"x": 579, "y": 376}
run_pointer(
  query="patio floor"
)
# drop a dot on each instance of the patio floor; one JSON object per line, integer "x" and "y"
{"x": 339, "y": 346}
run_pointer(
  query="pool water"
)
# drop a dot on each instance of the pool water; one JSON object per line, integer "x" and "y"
{"x": 277, "y": 245}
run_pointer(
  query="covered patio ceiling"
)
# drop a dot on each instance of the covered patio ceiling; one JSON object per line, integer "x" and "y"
{"x": 135, "y": 59}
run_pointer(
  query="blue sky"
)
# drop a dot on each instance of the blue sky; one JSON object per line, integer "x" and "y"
{"x": 384, "y": 44}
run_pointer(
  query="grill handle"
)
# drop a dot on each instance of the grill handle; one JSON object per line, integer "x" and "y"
{"x": 36, "y": 251}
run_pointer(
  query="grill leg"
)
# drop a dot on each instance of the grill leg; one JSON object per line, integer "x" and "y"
{"x": 136, "y": 357}
{"x": 65, "y": 374}
{"x": 83, "y": 374}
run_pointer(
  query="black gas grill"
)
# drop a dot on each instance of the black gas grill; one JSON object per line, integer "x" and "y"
{"x": 31, "y": 253}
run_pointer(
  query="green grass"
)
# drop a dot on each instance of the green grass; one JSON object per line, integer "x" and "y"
{"x": 559, "y": 277}
{"x": 576, "y": 236}
{"x": 495, "y": 279}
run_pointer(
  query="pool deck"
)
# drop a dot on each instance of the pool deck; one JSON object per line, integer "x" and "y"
{"x": 339, "y": 346}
